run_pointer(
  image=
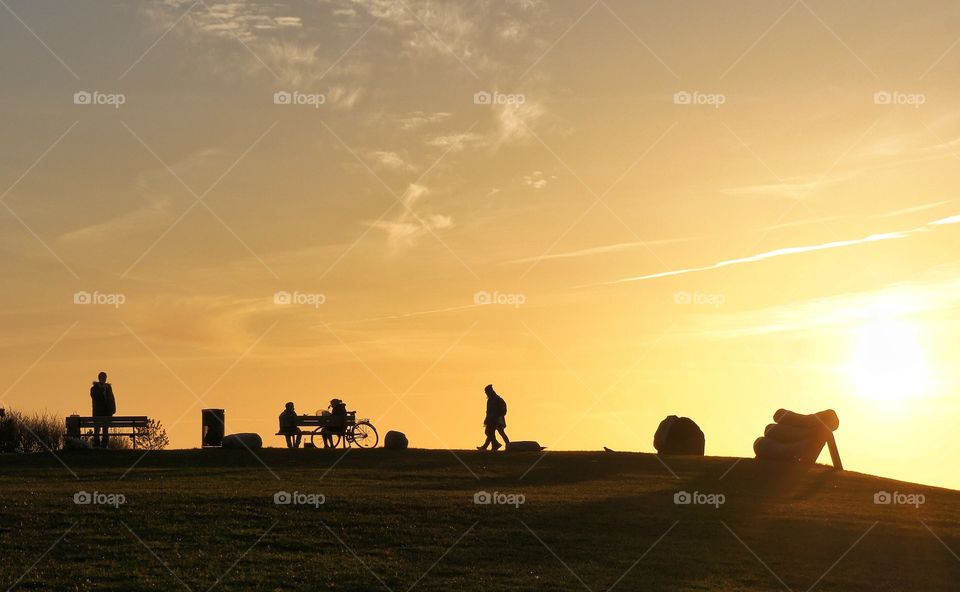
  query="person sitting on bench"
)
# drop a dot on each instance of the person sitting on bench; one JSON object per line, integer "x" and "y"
{"x": 104, "y": 405}
{"x": 336, "y": 422}
{"x": 288, "y": 426}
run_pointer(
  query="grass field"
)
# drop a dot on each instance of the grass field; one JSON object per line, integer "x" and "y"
{"x": 207, "y": 519}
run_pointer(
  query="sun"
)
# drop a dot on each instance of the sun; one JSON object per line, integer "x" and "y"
{"x": 888, "y": 362}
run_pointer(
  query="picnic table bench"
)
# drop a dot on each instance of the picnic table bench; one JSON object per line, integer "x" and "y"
{"x": 362, "y": 433}
{"x": 129, "y": 426}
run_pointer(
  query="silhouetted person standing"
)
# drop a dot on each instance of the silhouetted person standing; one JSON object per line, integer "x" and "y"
{"x": 104, "y": 405}
{"x": 495, "y": 419}
{"x": 288, "y": 426}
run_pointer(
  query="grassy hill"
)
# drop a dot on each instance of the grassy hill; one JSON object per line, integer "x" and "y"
{"x": 202, "y": 519}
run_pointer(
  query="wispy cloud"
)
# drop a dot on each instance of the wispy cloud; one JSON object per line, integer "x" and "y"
{"x": 916, "y": 209}
{"x": 418, "y": 119}
{"x": 240, "y": 19}
{"x": 404, "y": 230}
{"x": 537, "y": 180}
{"x": 794, "y": 190}
{"x": 933, "y": 292}
{"x": 873, "y": 238}
{"x": 153, "y": 214}
{"x": 389, "y": 160}
{"x": 603, "y": 249}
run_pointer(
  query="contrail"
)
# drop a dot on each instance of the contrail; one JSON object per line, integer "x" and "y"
{"x": 785, "y": 251}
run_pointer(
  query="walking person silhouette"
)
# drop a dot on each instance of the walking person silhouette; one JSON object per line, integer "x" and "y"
{"x": 495, "y": 420}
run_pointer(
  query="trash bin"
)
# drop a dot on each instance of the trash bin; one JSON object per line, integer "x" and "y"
{"x": 73, "y": 426}
{"x": 212, "y": 424}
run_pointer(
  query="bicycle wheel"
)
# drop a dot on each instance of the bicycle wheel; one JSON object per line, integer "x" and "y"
{"x": 364, "y": 435}
{"x": 318, "y": 434}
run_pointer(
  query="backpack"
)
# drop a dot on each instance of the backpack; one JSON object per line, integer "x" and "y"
{"x": 503, "y": 407}
{"x": 110, "y": 401}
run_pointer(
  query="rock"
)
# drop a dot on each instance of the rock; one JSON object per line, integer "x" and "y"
{"x": 395, "y": 440}
{"x": 679, "y": 435}
{"x": 524, "y": 446}
{"x": 243, "y": 441}
{"x": 71, "y": 443}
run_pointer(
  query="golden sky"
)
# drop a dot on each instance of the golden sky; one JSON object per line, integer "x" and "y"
{"x": 613, "y": 211}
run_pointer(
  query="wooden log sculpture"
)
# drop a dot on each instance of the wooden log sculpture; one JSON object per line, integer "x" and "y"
{"x": 799, "y": 438}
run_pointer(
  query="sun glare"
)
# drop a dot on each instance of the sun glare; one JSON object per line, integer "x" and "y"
{"x": 888, "y": 362}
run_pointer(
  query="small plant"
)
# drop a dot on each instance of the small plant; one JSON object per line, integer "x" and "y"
{"x": 153, "y": 436}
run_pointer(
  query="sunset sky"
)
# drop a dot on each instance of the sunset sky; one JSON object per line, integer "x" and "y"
{"x": 710, "y": 209}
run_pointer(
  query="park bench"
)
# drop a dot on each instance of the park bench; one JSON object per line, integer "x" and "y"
{"x": 129, "y": 426}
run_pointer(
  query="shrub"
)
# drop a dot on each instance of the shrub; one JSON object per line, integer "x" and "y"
{"x": 153, "y": 436}
{"x": 39, "y": 432}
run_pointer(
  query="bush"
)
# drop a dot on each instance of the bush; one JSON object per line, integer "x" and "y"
{"x": 152, "y": 437}
{"x": 39, "y": 432}
{"x": 44, "y": 431}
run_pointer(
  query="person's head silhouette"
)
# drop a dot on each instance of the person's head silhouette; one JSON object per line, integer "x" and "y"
{"x": 102, "y": 377}
{"x": 489, "y": 390}
{"x": 289, "y": 406}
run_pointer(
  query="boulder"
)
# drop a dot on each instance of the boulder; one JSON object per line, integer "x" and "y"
{"x": 71, "y": 443}
{"x": 395, "y": 440}
{"x": 679, "y": 435}
{"x": 243, "y": 441}
{"x": 524, "y": 446}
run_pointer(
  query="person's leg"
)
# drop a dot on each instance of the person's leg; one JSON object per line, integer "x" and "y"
{"x": 96, "y": 436}
{"x": 488, "y": 432}
{"x": 289, "y": 440}
{"x": 296, "y": 443}
{"x": 106, "y": 436}
{"x": 492, "y": 437}
{"x": 503, "y": 434}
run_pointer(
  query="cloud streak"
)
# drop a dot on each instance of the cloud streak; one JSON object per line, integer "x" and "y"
{"x": 873, "y": 238}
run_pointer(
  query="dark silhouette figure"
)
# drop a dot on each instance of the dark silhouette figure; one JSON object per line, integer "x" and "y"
{"x": 288, "y": 426}
{"x": 336, "y": 422}
{"x": 495, "y": 419}
{"x": 104, "y": 405}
